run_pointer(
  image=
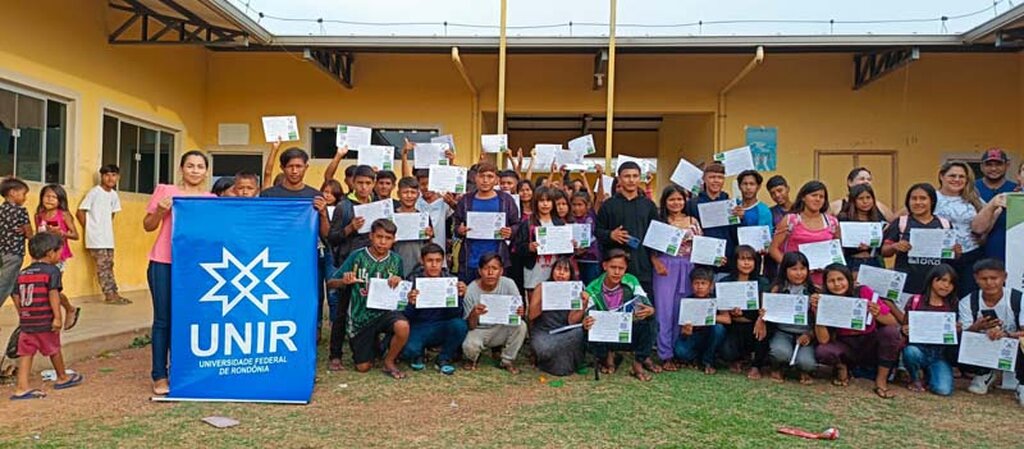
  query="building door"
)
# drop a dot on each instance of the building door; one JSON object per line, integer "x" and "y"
{"x": 832, "y": 167}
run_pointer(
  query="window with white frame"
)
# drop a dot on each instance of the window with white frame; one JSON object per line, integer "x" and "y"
{"x": 33, "y": 135}
{"x": 142, "y": 151}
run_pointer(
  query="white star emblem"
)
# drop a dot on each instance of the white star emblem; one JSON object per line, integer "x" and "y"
{"x": 244, "y": 271}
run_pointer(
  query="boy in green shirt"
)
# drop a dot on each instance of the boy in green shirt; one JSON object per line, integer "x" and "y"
{"x": 364, "y": 325}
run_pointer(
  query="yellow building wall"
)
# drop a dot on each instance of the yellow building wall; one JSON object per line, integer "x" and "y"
{"x": 61, "y": 50}
{"x": 942, "y": 105}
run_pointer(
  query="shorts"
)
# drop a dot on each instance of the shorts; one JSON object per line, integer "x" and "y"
{"x": 364, "y": 343}
{"x": 45, "y": 343}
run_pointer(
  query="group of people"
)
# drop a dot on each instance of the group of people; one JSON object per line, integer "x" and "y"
{"x": 37, "y": 290}
{"x": 619, "y": 273}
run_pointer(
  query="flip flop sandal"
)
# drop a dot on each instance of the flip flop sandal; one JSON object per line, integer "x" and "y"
{"x": 446, "y": 368}
{"x": 30, "y": 394}
{"x": 883, "y": 393}
{"x": 417, "y": 365}
{"x": 119, "y": 301}
{"x": 394, "y": 373}
{"x": 335, "y": 365}
{"x": 72, "y": 382}
{"x": 642, "y": 376}
{"x": 74, "y": 319}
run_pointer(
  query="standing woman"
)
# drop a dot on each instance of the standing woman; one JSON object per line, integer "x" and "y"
{"x": 958, "y": 202}
{"x": 859, "y": 176}
{"x": 920, "y": 204}
{"x": 862, "y": 206}
{"x": 807, "y": 222}
{"x": 193, "y": 168}
{"x": 672, "y": 273}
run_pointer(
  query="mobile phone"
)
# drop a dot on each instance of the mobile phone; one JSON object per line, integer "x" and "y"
{"x": 633, "y": 242}
{"x": 991, "y": 314}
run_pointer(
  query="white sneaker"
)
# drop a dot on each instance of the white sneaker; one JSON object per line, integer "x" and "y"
{"x": 1020, "y": 395}
{"x": 980, "y": 383}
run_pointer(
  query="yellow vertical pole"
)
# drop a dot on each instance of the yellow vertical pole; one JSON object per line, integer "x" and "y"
{"x": 502, "y": 41}
{"x": 609, "y": 126}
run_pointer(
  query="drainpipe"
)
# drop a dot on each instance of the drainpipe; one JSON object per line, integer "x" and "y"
{"x": 474, "y": 122}
{"x": 720, "y": 134}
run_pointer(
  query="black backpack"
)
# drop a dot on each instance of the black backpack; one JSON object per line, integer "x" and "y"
{"x": 12, "y": 344}
{"x": 1015, "y": 300}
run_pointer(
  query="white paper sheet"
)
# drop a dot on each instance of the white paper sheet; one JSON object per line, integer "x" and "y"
{"x": 842, "y": 312}
{"x": 785, "y": 308}
{"x": 607, "y": 183}
{"x": 561, "y": 295}
{"x": 382, "y": 297}
{"x": 932, "y": 243}
{"x": 717, "y": 213}
{"x": 707, "y": 251}
{"x": 446, "y": 179}
{"x": 554, "y": 240}
{"x": 446, "y": 139}
{"x": 736, "y": 160}
{"x": 485, "y": 225}
{"x": 887, "y": 283}
{"x": 545, "y": 156}
{"x": 611, "y": 327}
{"x": 856, "y": 233}
{"x": 646, "y": 166}
{"x": 697, "y": 311}
{"x": 283, "y": 127}
{"x": 428, "y": 154}
{"x": 437, "y": 293}
{"x": 501, "y": 309}
{"x": 494, "y": 143}
{"x": 688, "y": 176}
{"x": 823, "y": 254}
{"x": 355, "y": 137}
{"x": 976, "y": 349}
{"x": 381, "y": 157}
{"x": 411, "y": 225}
{"x": 373, "y": 211}
{"x": 932, "y": 328}
{"x": 758, "y": 237}
{"x": 581, "y": 234}
{"x": 583, "y": 144}
{"x": 664, "y": 237}
{"x": 741, "y": 295}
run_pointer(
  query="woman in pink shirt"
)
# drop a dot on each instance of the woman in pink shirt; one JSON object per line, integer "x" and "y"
{"x": 878, "y": 343}
{"x": 807, "y": 222}
{"x": 193, "y": 168}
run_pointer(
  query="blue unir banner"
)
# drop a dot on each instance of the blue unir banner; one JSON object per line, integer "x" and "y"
{"x": 243, "y": 300}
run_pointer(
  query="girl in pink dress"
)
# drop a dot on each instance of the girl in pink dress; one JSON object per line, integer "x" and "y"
{"x": 807, "y": 222}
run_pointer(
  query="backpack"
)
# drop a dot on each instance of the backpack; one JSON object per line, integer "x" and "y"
{"x": 905, "y": 220}
{"x": 1015, "y": 300}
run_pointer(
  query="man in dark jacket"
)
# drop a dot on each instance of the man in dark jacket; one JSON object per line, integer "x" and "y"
{"x": 623, "y": 220}
{"x": 484, "y": 199}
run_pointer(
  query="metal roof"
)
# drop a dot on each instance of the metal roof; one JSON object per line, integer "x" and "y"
{"x": 984, "y": 37}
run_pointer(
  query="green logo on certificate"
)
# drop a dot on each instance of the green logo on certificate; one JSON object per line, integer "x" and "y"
{"x": 292, "y": 135}
{"x": 450, "y": 301}
{"x": 709, "y": 320}
{"x": 751, "y": 304}
{"x": 513, "y": 320}
{"x": 387, "y": 166}
{"x": 947, "y": 253}
{"x": 893, "y": 295}
{"x": 460, "y": 189}
{"x": 671, "y": 249}
{"x": 575, "y": 304}
{"x": 799, "y": 319}
{"x": 623, "y": 337}
{"x": 857, "y": 324}
{"x": 734, "y": 220}
{"x": 948, "y": 339}
{"x": 542, "y": 232}
{"x": 1004, "y": 364}
{"x": 875, "y": 243}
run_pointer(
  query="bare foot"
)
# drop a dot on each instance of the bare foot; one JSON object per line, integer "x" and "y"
{"x": 709, "y": 369}
{"x": 736, "y": 367}
{"x": 510, "y": 367}
{"x": 754, "y": 373}
{"x": 805, "y": 379}
{"x": 777, "y": 376}
{"x": 640, "y": 373}
{"x": 469, "y": 366}
{"x": 669, "y": 366}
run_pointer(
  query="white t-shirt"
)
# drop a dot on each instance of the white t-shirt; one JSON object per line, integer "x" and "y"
{"x": 960, "y": 213}
{"x": 99, "y": 206}
{"x": 1003, "y": 310}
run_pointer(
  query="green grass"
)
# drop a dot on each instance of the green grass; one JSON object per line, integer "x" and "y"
{"x": 490, "y": 408}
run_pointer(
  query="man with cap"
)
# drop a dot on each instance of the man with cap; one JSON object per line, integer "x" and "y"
{"x": 994, "y": 162}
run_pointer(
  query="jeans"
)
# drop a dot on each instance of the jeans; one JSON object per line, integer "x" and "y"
{"x": 339, "y": 322}
{"x": 780, "y": 350}
{"x": 931, "y": 359}
{"x": 449, "y": 334}
{"x": 10, "y": 266}
{"x": 642, "y": 344}
{"x": 702, "y": 345}
{"x": 159, "y": 277}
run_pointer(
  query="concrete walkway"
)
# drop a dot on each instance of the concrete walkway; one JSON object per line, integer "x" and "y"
{"x": 101, "y": 327}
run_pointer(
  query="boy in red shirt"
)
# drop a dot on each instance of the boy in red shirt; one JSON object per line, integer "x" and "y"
{"x": 37, "y": 299}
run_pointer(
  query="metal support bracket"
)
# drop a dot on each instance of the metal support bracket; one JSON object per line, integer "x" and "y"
{"x": 188, "y": 29}
{"x": 868, "y": 67}
{"x": 600, "y": 68}
{"x": 337, "y": 64}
